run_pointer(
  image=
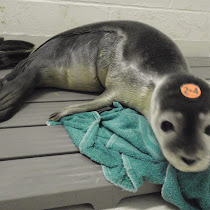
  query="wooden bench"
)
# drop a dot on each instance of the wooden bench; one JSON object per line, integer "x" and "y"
{"x": 40, "y": 168}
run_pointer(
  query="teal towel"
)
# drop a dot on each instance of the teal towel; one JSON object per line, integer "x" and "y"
{"x": 122, "y": 141}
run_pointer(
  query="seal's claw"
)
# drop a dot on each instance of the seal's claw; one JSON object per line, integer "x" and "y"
{"x": 52, "y": 115}
{"x": 55, "y": 116}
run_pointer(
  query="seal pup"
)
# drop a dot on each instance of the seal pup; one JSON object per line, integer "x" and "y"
{"x": 129, "y": 62}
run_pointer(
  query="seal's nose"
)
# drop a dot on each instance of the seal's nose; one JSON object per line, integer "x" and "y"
{"x": 188, "y": 161}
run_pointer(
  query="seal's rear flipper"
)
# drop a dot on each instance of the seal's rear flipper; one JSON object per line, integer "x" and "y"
{"x": 13, "y": 92}
{"x": 1, "y": 40}
{"x": 13, "y": 51}
{"x": 14, "y": 45}
{"x": 7, "y": 113}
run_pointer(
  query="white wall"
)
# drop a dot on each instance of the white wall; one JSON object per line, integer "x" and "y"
{"x": 185, "y": 21}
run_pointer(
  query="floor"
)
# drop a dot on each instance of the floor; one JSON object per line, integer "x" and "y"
{"x": 42, "y": 169}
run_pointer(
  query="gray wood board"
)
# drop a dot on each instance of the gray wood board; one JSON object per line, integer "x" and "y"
{"x": 53, "y": 94}
{"x": 35, "y": 141}
{"x": 198, "y": 61}
{"x": 203, "y": 72}
{"x": 56, "y": 181}
{"x": 35, "y": 114}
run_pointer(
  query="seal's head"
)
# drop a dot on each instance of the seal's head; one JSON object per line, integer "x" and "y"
{"x": 180, "y": 118}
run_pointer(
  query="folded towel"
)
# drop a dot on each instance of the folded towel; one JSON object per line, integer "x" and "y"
{"x": 122, "y": 141}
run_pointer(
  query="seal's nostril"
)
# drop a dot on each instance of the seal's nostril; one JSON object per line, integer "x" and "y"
{"x": 188, "y": 161}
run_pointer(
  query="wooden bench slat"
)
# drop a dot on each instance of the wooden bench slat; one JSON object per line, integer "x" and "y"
{"x": 50, "y": 182}
{"x": 198, "y": 61}
{"x": 35, "y": 114}
{"x": 203, "y": 72}
{"x": 53, "y": 94}
{"x": 35, "y": 141}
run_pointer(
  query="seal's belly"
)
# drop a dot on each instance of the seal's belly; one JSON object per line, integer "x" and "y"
{"x": 79, "y": 78}
{"x": 73, "y": 65}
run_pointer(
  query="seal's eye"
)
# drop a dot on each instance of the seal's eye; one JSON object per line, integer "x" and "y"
{"x": 167, "y": 126}
{"x": 207, "y": 130}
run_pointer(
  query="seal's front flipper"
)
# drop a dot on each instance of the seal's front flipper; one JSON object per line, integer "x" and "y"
{"x": 13, "y": 92}
{"x": 105, "y": 99}
{"x": 13, "y": 51}
{"x": 104, "y": 109}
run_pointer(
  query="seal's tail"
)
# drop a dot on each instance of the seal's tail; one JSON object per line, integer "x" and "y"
{"x": 13, "y": 51}
{"x": 14, "y": 88}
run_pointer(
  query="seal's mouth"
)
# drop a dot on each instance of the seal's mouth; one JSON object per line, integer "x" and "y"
{"x": 187, "y": 164}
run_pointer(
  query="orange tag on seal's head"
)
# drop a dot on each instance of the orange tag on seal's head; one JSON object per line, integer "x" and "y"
{"x": 190, "y": 90}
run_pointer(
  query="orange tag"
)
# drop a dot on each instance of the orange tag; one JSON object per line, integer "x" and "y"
{"x": 190, "y": 90}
